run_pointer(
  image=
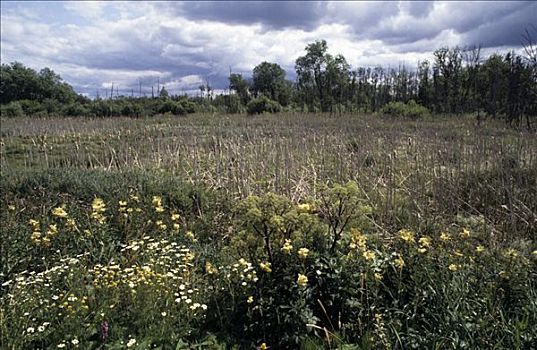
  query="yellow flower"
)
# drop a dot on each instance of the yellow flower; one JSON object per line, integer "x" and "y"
{"x": 52, "y": 229}
{"x": 304, "y": 208}
{"x": 422, "y": 250}
{"x": 534, "y": 253}
{"x": 302, "y": 280}
{"x": 33, "y": 222}
{"x": 287, "y": 247}
{"x": 71, "y": 223}
{"x": 357, "y": 239}
{"x": 59, "y": 212}
{"x": 263, "y": 346}
{"x": 176, "y": 226}
{"x": 210, "y": 269}
{"x": 11, "y": 207}
{"x": 250, "y": 299}
{"x": 453, "y": 267}
{"x": 378, "y": 276}
{"x": 35, "y": 237}
{"x": 175, "y": 217}
{"x": 265, "y": 266}
{"x": 510, "y": 253}
{"x": 407, "y": 236}
{"x": 465, "y": 233}
{"x": 425, "y": 242}
{"x": 368, "y": 255}
{"x": 303, "y": 253}
{"x": 134, "y": 197}
{"x": 479, "y": 249}
{"x": 157, "y": 201}
{"x": 190, "y": 235}
{"x": 444, "y": 236}
{"x": 399, "y": 262}
{"x": 98, "y": 204}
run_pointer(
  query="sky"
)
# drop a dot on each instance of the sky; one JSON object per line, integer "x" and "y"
{"x": 93, "y": 44}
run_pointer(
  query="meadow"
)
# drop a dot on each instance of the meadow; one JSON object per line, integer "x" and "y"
{"x": 294, "y": 230}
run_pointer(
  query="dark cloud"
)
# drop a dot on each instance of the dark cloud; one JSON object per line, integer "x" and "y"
{"x": 184, "y": 44}
{"x": 271, "y": 14}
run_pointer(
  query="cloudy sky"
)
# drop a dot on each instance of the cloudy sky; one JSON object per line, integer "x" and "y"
{"x": 94, "y": 44}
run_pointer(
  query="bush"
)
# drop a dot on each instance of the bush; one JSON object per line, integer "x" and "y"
{"x": 401, "y": 109}
{"x": 75, "y": 110}
{"x": 12, "y": 109}
{"x": 263, "y": 104}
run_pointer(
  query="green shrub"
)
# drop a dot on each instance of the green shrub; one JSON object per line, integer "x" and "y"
{"x": 401, "y": 109}
{"x": 263, "y": 104}
{"x": 12, "y": 109}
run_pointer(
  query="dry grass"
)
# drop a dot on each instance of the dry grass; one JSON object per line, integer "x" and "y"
{"x": 411, "y": 170}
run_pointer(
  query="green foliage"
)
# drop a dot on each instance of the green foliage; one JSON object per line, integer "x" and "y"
{"x": 12, "y": 109}
{"x": 263, "y": 104}
{"x": 408, "y": 110}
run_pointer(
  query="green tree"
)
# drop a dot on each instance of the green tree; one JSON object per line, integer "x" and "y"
{"x": 238, "y": 84}
{"x": 269, "y": 80}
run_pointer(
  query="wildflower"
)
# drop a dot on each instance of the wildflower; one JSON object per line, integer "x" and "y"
{"x": 378, "y": 276}
{"x": 407, "y": 236}
{"x": 453, "y": 267}
{"x": 368, "y": 255}
{"x": 444, "y": 236}
{"x": 265, "y": 266}
{"x": 302, "y": 280}
{"x": 464, "y": 233}
{"x": 510, "y": 253}
{"x": 425, "y": 242}
{"x": 399, "y": 262}
{"x": 263, "y": 346}
{"x": 103, "y": 330}
{"x": 59, "y": 212}
{"x": 52, "y": 229}
{"x": 61, "y": 345}
{"x": 250, "y": 299}
{"x": 34, "y": 223}
{"x": 303, "y": 253}
{"x": 131, "y": 343}
{"x": 134, "y": 197}
{"x": 35, "y": 237}
{"x": 71, "y": 223}
{"x": 163, "y": 313}
{"x": 30, "y": 330}
{"x": 287, "y": 246}
{"x": 358, "y": 240}
{"x": 176, "y": 226}
{"x": 122, "y": 203}
{"x": 41, "y": 329}
{"x": 175, "y": 217}
{"x": 74, "y": 342}
{"x": 304, "y": 208}
{"x": 190, "y": 235}
{"x": 479, "y": 249}
{"x": 210, "y": 269}
{"x": 11, "y": 207}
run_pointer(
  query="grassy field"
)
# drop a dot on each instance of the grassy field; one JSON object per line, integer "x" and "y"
{"x": 286, "y": 231}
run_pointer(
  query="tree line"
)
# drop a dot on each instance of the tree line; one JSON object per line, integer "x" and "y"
{"x": 454, "y": 81}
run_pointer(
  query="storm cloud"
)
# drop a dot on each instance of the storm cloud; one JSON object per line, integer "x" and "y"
{"x": 95, "y": 44}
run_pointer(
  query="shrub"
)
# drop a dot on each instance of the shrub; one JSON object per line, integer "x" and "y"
{"x": 75, "y": 110}
{"x": 12, "y": 109}
{"x": 263, "y": 104}
{"x": 408, "y": 110}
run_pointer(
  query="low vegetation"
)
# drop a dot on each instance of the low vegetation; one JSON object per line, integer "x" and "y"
{"x": 269, "y": 231}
